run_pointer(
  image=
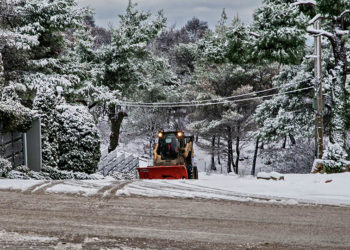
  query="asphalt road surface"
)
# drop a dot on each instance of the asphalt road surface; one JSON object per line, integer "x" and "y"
{"x": 59, "y": 221}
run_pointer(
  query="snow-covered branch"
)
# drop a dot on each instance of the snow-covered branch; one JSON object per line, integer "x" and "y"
{"x": 342, "y": 32}
{"x": 254, "y": 34}
{"x": 313, "y": 20}
{"x": 314, "y": 31}
{"x": 303, "y": 2}
{"x": 343, "y": 14}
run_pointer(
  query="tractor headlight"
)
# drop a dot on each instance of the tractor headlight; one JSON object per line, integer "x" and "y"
{"x": 160, "y": 134}
{"x": 180, "y": 134}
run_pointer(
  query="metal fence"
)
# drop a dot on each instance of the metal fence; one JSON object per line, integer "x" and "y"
{"x": 12, "y": 147}
{"x": 112, "y": 162}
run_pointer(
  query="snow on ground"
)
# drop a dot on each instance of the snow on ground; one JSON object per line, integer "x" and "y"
{"x": 21, "y": 185}
{"x": 307, "y": 188}
{"x": 86, "y": 187}
{"x": 333, "y": 189}
{"x": 73, "y": 188}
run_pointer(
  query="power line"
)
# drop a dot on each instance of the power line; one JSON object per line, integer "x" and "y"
{"x": 207, "y": 100}
{"x": 157, "y": 105}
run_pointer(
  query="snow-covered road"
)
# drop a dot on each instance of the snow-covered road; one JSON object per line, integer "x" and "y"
{"x": 296, "y": 188}
{"x": 59, "y": 221}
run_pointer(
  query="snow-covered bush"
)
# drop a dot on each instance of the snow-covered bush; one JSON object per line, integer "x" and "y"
{"x": 15, "y": 174}
{"x": 70, "y": 139}
{"x": 334, "y": 159}
{"x": 5, "y": 167}
{"x": 56, "y": 174}
{"x": 9, "y": 94}
{"x": 79, "y": 140}
{"x": 17, "y": 117}
{"x": 24, "y": 173}
{"x": 45, "y": 104}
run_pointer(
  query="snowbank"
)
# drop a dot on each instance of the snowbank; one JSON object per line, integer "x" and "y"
{"x": 20, "y": 185}
{"x": 333, "y": 189}
{"x": 306, "y": 188}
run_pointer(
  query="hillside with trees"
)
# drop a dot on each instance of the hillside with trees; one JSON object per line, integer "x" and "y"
{"x": 245, "y": 91}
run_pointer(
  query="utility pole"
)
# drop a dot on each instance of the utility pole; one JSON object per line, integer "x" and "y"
{"x": 318, "y": 92}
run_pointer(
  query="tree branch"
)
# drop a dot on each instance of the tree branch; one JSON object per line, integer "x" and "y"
{"x": 341, "y": 18}
{"x": 314, "y": 31}
{"x": 304, "y": 2}
{"x": 313, "y": 20}
{"x": 343, "y": 14}
{"x": 254, "y": 34}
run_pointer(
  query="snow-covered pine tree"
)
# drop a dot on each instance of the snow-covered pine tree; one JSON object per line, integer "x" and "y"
{"x": 124, "y": 60}
{"x": 84, "y": 63}
{"x": 279, "y": 32}
{"x": 282, "y": 40}
{"x": 162, "y": 87}
{"x": 286, "y": 115}
{"x": 35, "y": 41}
{"x": 55, "y": 50}
{"x": 223, "y": 70}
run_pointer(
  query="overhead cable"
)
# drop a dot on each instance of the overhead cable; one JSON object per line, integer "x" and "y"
{"x": 158, "y": 105}
{"x": 207, "y": 100}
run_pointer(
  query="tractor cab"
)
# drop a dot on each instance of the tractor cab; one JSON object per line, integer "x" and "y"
{"x": 172, "y": 158}
{"x": 170, "y": 145}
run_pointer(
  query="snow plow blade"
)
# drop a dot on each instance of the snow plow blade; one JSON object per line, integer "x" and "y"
{"x": 163, "y": 172}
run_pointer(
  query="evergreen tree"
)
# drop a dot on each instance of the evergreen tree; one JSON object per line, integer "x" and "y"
{"x": 282, "y": 40}
{"x": 279, "y": 32}
{"x": 125, "y": 58}
{"x": 222, "y": 70}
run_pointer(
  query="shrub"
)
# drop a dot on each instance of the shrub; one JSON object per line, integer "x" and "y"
{"x": 5, "y": 167}
{"x": 334, "y": 159}
{"x": 79, "y": 141}
{"x": 17, "y": 117}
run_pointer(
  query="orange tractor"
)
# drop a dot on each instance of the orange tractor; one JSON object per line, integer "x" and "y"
{"x": 172, "y": 158}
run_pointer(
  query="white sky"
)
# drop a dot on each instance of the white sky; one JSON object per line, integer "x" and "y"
{"x": 178, "y": 12}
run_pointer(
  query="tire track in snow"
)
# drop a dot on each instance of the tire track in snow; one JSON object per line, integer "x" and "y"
{"x": 112, "y": 192}
{"x": 101, "y": 192}
{"x": 167, "y": 189}
{"x": 35, "y": 187}
{"x": 42, "y": 190}
{"x": 108, "y": 191}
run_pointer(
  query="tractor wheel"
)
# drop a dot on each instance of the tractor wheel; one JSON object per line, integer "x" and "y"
{"x": 189, "y": 171}
{"x": 195, "y": 173}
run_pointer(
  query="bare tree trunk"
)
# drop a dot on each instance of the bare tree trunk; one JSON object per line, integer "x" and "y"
{"x": 229, "y": 149}
{"x": 150, "y": 147}
{"x": 284, "y": 142}
{"x": 292, "y": 139}
{"x": 197, "y": 137}
{"x": 213, "y": 167}
{"x": 116, "y": 122}
{"x": 237, "y": 150}
{"x": 218, "y": 147}
{"x": 255, "y": 155}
